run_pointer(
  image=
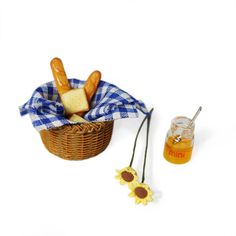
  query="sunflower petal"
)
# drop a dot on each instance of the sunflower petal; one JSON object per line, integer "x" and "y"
{"x": 137, "y": 201}
{"x": 132, "y": 194}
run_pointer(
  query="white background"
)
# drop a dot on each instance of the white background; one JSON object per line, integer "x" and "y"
{"x": 173, "y": 55}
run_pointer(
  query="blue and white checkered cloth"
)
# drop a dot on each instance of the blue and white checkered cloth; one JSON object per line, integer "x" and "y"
{"x": 109, "y": 103}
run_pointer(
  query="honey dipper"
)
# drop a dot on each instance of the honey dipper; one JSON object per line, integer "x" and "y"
{"x": 178, "y": 137}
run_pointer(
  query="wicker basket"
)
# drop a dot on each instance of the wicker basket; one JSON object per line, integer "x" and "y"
{"x": 79, "y": 141}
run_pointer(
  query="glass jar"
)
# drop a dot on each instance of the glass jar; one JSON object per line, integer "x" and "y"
{"x": 179, "y": 140}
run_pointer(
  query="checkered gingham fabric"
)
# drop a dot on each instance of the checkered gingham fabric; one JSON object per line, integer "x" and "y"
{"x": 108, "y": 103}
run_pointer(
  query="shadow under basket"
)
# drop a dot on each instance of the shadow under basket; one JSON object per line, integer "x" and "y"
{"x": 78, "y": 141}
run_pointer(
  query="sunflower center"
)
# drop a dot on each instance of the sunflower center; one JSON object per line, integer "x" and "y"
{"x": 127, "y": 176}
{"x": 141, "y": 192}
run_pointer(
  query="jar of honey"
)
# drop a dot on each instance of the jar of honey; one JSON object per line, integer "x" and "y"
{"x": 179, "y": 140}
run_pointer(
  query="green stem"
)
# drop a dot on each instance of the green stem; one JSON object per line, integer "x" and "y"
{"x": 148, "y": 116}
{"x": 146, "y": 148}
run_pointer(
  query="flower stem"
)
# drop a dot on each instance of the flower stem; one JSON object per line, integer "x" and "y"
{"x": 148, "y": 116}
{"x": 146, "y": 148}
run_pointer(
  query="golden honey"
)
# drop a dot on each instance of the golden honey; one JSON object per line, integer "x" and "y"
{"x": 179, "y": 152}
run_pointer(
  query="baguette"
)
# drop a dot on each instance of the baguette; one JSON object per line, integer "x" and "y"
{"x": 90, "y": 86}
{"x": 59, "y": 75}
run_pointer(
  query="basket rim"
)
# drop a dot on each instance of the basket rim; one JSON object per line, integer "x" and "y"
{"x": 80, "y": 128}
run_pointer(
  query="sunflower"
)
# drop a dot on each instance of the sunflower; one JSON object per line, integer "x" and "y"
{"x": 141, "y": 192}
{"x": 127, "y": 175}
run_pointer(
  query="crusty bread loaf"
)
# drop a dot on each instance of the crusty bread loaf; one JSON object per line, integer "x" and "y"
{"x": 59, "y": 75}
{"x": 90, "y": 86}
{"x": 77, "y": 118}
{"x": 75, "y": 101}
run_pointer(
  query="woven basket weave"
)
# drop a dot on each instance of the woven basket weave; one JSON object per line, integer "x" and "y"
{"x": 79, "y": 141}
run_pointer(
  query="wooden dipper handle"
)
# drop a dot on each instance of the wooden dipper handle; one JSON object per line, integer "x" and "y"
{"x": 59, "y": 75}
